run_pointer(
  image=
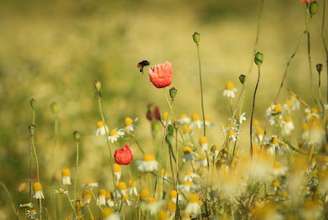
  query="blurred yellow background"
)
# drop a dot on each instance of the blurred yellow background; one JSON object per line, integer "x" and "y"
{"x": 54, "y": 50}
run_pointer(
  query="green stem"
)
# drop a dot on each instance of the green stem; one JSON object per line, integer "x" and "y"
{"x": 76, "y": 183}
{"x": 201, "y": 88}
{"x": 11, "y": 201}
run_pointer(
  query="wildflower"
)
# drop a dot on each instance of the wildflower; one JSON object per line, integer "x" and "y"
{"x": 292, "y": 104}
{"x": 273, "y": 113}
{"x": 38, "y": 194}
{"x": 132, "y": 190}
{"x": 186, "y": 186}
{"x": 117, "y": 171}
{"x": 313, "y": 133}
{"x": 186, "y": 129}
{"x": 242, "y": 118}
{"x": 287, "y": 125}
{"x": 26, "y": 205}
{"x": 86, "y": 197}
{"x": 187, "y": 153}
{"x": 152, "y": 205}
{"x": 202, "y": 160}
{"x": 109, "y": 214}
{"x": 121, "y": 189}
{"x": 114, "y": 135}
{"x": 31, "y": 213}
{"x": 203, "y": 142}
{"x": 161, "y": 75}
{"x": 110, "y": 202}
{"x": 66, "y": 177}
{"x": 279, "y": 169}
{"x": 259, "y": 132}
{"x": 148, "y": 164}
{"x": 273, "y": 144}
{"x": 312, "y": 113}
{"x": 183, "y": 119}
{"x": 193, "y": 207}
{"x": 123, "y": 156}
{"x": 232, "y": 134}
{"x": 102, "y": 129}
{"x": 174, "y": 196}
{"x": 102, "y": 195}
{"x": 129, "y": 126}
{"x": 165, "y": 119}
{"x": 230, "y": 90}
{"x": 190, "y": 176}
{"x": 196, "y": 122}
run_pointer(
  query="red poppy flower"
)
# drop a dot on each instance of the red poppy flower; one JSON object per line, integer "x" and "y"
{"x": 161, "y": 75}
{"x": 123, "y": 156}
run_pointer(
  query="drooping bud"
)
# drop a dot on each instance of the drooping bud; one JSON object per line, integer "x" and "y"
{"x": 242, "y": 78}
{"x": 258, "y": 58}
{"x": 157, "y": 113}
{"x": 173, "y": 92}
{"x": 196, "y": 37}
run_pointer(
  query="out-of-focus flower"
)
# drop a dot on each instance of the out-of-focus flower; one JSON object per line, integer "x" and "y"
{"x": 187, "y": 153}
{"x": 86, "y": 197}
{"x": 128, "y": 124}
{"x": 292, "y": 104}
{"x": 161, "y": 75}
{"x": 121, "y": 189}
{"x": 287, "y": 125}
{"x": 313, "y": 133}
{"x": 203, "y": 142}
{"x": 115, "y": 134}
{"x": 123, "y": 156}
{"x": 312, "y": 113}
{"x": 230, "y": 90}
{"x": 274, "y": 113}
{"x": 265, "y": 211}
{"x": 196, "y": 121}
{"x": 109, "y": 214}
{"x": 312, "y": 210}
{"x": 183, "y": 119}
{"x": 193, "y": 207}
{"x": 165, "y": 119}
{"x": 38, "y": 194}
{"x": 117, "y": 172}
{"x": 132, "y": 190}
{"x": 101, "y": 199}
{"x": 102, "y": 129}
{"x": 148, "y": 164}
{"x": 66, "y": 176}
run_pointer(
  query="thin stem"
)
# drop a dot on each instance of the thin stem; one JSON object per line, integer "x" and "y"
{"x": 76, "y": 183}
{"x": 201, "y": 89}
{"x": 11, "y": 201}
{"x": 253, "y": 109}
{"x": 323, "y": 26}
{"x": 35, "y": 155}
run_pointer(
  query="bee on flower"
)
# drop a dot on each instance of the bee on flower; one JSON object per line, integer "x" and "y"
{"x": 115, "y": 134}
{"x": 109, "y": 214}
{"x": 287, "y": 125}
{"x": 193, "y": 208}
{"x": 148, "y": 164}
{"x": 230, "y": 90}
{"x": 203, "y": 142}
{"x": 129, "y": 124}
{"x": 183, "y": 119}
{"x": 102, "y": 129}
{"x": 66, "y": 176}
{"x": 38, "y": 193}
{"x": 101, "y": 199}
{"x": 274, "y": 113}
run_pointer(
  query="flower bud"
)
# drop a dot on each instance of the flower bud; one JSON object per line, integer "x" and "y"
{"x": 196, "y": 38}
{"x": 98, "y": 85}
{"x": 54, "y": 108}
{"x": 173, "y": 92}
{"x": 258, "y": 58}
{"x": 33, "y": 103}
{"x": 313, "y": 8}
{"x": 77, "y": 135}
{"x": 319, "y": 67}
{"x": 242, "y": 78}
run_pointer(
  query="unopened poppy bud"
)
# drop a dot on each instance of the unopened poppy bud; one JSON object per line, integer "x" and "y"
{"x": 258, "y": 58}
{"x": 319, "y": 67}
{"x": 98, "y": 85}
{"x": 157, "y": 113}
{"x": 196, "y": 38}
{"x": 54, "y": 108}
{"x": 313, "y": 8}
{"x": 31, "y": 129}
{"x": 242, "y": 78}
{"x": 170, "y": 130}
{"x": 77, "y": 135}
{"x": 173, "y": 92}
{"x": 32, "y": 103}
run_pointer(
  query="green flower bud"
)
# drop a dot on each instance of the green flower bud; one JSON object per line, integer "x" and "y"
{"x": 54, "y": 108}
{"x": 258, "y": 58}
{"x": 77, "y": 135}
{"x": 196, "y": 37}
{"x": 313, "y": 8}
{"x": 98, "y": 85}
{"x": 242, "y": 78}
{"x": 170, "y": 130}
{"x": 173, "y": 92}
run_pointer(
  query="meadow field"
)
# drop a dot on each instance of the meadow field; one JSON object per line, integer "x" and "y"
{"x": 227, "y": 119}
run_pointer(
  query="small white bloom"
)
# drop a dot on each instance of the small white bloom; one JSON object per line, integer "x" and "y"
{"x": 148, "y": 164}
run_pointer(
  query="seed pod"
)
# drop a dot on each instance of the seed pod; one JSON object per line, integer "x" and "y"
{"x": 313, "y": 8}
{"x": 77, "y": 135}
{"x": 32, "y": 103}
{"x": 319, "y": 67}
{"x": 196, "y": 37}
{"x": 242, "y": 78}
{"x": 258, "y": 58}
{"x": 173, "y": 92}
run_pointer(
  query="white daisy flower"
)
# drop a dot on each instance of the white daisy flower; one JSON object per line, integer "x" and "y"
{"x": 129, "y": 124}
{"x": 102, "y": 129}
{"x": 66, "y": 177}
{"x": 230, "y": 90}
{"x": 148, "y": 164}
{"x": 101, "y": 199}
{"x": 183, "y": 119}
{"x": 38, "y": 194}
{"x": 193, "y": 208}
{"x": 115, "y": 134}
{"x": 273, "y": 113}
{"x": 287, "y": 126}
{"x": 117, "y": 172}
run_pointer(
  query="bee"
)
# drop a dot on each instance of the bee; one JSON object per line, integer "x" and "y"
{"x": 142, "y": 64}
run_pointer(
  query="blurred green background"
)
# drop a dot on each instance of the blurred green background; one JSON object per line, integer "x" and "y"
{"x": 54, "y": 50}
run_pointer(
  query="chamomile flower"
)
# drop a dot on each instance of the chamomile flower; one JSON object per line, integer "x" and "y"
{"x": 187, "y": 154}
{"x": 287, "y": 125}
{"x": 292, "y": 104}
{"x": 129, "y": 125}
{"x": 101, "y": 199}
{"x": 148, "y": 164}
{"x": 86, "y": 197}
{"x": 186, "y": 186}
{"x": 196, "y": 121}
{"x": 242, "y": 118}
{"x": 109, "y": 214}
{"x": 102, "y": 129}
{"x": 152, "y": 205}
{"x": 313, "y": 133}
{"x": 190, "y": 176}
{"x": 274, "y": 145}
{"x": 203, "y": 142}
{"x": 38, "y": 194}
{"x": 193, "y": 207}
{"x": 121, "y": 189}
{"x": 312, "y": 113}
{"x": 132, "y": 190}
{"x": 232, "y": 134}
{"x": 202, "y": 160}
{"x": 66, "y": 176}
{"x": 279, "y": 169}
{"x": 117, "y": 172}
{"x": 186, "y": 129}
{"x": 109, "y": 200}
{"x": 274, "y": 113}
{"x": 174, "y": 196}
{"x": 183, "y": 119}
{"x": 115, "y": 134}
{"x": 230, "y": 90}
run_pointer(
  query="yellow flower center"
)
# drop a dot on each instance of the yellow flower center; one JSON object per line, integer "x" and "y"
{"x": 149, "y": 157}
{"x": 121, "y": 185}
{"x": 187, "y": 150}
{"x": 66, "y": 172}
{"x": 186, "y": 129}
{"x": 165, "y": 116}
{"x": 195, "y": 117}
{"x": 229, "y": 85}
{"x": 144, "y": 193}
{"x": 203, "y": 140}
{"x": 107, "y": 212}
{"x": 116, "y": 168}
{"x": 37, "y": 186}
{"x": 102, "y": 192}
{"x": 128, "y": 121}
{"x": 113, "y": 132}
{"x": 194, "y": 198}
{"x": 277, "y": 108}
{"x": 100, "y": 124}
